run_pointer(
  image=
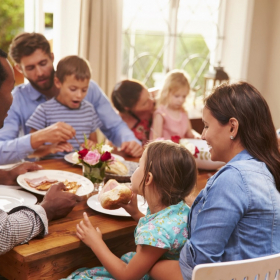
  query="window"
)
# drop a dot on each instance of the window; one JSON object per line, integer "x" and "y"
{"x": 162, "y": 35}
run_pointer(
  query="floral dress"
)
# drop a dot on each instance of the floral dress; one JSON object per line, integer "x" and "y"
{"x": 165, "y": 229}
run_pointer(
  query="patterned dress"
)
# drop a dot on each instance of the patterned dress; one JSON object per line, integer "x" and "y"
{"x": 165, "y": 229}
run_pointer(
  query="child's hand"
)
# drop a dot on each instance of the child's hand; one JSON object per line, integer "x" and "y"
{"x": 61, "y": 147}
{"x": 87, "y": 233}
{"x": 90, "y": 144}
{"x": 132, "y": 208}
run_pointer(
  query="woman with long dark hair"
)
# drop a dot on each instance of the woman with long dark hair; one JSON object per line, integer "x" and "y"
{"x": 237, "y": 215}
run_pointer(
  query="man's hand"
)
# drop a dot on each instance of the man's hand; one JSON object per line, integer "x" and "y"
{"x": 58, "y": 203}
{"x": 132, "y": 148}
{"x": 56, "y": 133}
{"x": 9, "y": 176}
{"x": 45, "y": 150}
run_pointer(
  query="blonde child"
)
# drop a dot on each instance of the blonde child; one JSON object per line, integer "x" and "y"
{"x": 170, "y": 118}
{"x": 72, "y": 79}
{"x": 165, "y": 176}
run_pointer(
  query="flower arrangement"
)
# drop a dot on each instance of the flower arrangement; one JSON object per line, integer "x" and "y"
{"x": 94, "y": 161}
{"x": 99, "y": 155}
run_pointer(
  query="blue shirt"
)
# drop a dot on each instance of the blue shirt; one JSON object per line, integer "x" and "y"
{"x": 236, "y": 216}
{"x": 15, "y": 138}
{"x": 83, "y": 119}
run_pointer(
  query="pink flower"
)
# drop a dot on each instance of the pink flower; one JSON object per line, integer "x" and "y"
{"x": 160, "y": 244}
{"x": 175, "y": 244}
{"x": 185, "y": 233}
{"x": 92, "y": 157}
{"x": 106, "y": 156}
{"x": 176, "y": 230}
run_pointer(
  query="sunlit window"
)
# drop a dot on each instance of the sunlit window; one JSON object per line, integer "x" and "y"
{"x": 162, "y": 35}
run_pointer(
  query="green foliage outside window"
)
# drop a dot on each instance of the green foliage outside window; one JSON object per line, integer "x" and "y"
{"x": 11, "y": 21}
{"x": 49, "y": 20}
{"x": 191, "y": 52}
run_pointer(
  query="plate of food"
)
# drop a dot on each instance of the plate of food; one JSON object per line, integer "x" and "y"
{"x": 41, "y": 180}
{"x": 121, "y": 171}
{"x": 69, "y": 158}
{"x": 10, "y": 199}
{"x": 203, "y": 159}
{"x": 113, "y": 193}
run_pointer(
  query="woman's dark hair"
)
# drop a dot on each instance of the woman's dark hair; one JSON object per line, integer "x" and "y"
{"x": 256, "y": 129}
{"x": 173, "y": 168}
{"x": 126, "y": 94}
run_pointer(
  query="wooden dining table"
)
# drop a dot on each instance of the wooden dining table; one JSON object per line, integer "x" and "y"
{"x": 60, "y": 252}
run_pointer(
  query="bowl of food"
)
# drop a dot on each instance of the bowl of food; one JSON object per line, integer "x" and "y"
{"x": 120, "y": 171}
{"x": 203, "y": 157}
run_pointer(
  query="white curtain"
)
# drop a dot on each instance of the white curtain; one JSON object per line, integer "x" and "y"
{"x": 100, "y": 40}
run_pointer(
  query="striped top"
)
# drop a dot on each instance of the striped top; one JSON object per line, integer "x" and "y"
{"x": 84, "y": 119}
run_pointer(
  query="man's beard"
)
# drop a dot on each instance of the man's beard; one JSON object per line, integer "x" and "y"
{"x": 48, "y": 85}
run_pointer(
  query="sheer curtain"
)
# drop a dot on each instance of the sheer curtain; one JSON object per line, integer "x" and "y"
{"x": 100, "y": 40}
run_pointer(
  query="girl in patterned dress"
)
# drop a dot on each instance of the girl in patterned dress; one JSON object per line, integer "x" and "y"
{"x": 165, "y": 176}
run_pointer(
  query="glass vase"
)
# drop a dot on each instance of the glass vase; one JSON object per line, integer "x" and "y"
{"x": 95, "y": 175}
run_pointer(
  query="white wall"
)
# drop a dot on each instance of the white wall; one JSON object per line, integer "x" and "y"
{"x": 66, "y": 28}
{"x": 251, "y": 48}
{"x": 264, "y": 54}
{"x": 272, "y": 77}
{"x": 237, "y": 26}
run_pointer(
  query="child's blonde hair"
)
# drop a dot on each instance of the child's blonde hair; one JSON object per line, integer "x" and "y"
{"x": 174, "y": 80}
{"x": 173, "y": 168}
{"x": 73, "y": 65}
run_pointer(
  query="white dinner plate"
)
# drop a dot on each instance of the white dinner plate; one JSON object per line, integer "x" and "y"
{"x": 10, "y": 199}
{"x": 61, "y": 176}
{"x": 8, "y": 166}
{"x": 94, "y": 204}
{"x": 69, "y": 159}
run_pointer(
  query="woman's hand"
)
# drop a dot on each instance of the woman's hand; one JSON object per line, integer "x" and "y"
{"x": 87, "y": 233}
{"x": 132, "y": 208}
{"x": 132, "y": 148}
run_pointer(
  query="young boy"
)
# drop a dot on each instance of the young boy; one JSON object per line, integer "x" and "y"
{"x": 72, "y": 79}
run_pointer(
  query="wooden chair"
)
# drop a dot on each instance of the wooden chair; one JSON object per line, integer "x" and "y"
{"x": 264, "y": 268}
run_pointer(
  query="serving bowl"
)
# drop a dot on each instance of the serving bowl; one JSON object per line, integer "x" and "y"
{"x": 203, "y": 160}
{"x": 131, "y": 167}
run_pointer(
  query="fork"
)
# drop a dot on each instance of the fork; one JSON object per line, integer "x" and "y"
{"x": 80, "y": 145}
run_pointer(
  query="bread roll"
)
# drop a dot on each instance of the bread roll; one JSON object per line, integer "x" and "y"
{"x": 117, "y": 168}
{"x": 114, "y": 193}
